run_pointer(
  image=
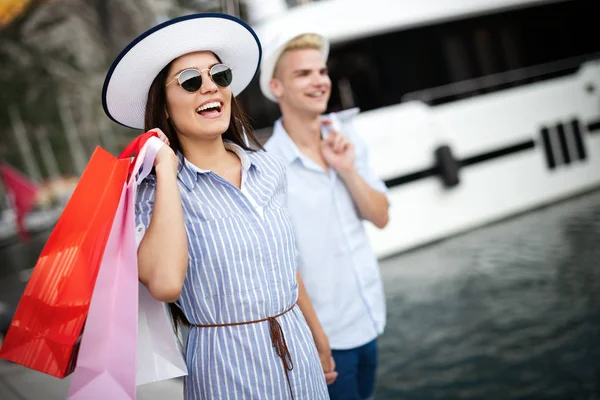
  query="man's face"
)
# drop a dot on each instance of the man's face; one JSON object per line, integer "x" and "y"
{"x": 301, "y": 81}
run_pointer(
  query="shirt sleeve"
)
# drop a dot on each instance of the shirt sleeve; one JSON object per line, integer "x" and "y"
{"x": 144, "y": 204}
{"x": 362, "y": 161}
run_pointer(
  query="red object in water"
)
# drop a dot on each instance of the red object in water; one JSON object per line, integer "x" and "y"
{"x": 21, "y": 192}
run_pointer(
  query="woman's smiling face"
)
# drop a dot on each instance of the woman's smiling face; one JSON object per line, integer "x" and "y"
{"x": 204, "y": 114}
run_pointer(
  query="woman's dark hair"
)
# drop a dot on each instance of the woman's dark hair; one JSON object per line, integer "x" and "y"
{"x": 155, "y": 117}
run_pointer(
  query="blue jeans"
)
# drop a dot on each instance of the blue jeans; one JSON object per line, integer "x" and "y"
{"x": 356, "y": 373}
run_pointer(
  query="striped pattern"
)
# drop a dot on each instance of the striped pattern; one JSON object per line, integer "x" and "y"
{"x": 242, "y": 267}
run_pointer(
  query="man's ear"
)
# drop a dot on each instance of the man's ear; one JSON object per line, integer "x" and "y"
{"x": 276, "y": 87}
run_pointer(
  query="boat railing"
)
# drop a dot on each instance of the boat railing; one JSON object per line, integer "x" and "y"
{"x": 498, "y": 81}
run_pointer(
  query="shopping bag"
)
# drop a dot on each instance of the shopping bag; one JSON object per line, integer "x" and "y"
{"x": 159, "y": 350}
{"x": 45, "y": 329}
{"x": 106, "y": 364}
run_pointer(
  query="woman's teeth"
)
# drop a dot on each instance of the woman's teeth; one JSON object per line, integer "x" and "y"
{"x": 207, "y": 106}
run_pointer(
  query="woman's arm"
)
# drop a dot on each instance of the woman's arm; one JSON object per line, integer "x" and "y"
{"x": 319, "y": 336}
{"x": 163, "y": 252}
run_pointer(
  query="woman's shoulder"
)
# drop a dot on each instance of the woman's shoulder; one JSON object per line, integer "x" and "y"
{"x": 149, "y": 180}
{"x": 269, "y": 161}
{"x": 146, "y": 187}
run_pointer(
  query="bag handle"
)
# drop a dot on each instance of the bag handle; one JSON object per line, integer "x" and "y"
{"x": 144, "y": 161}
{"x": 134, "y": 148}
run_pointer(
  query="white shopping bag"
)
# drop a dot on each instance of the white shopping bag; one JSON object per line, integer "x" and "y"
{"x": 160, "y": 355}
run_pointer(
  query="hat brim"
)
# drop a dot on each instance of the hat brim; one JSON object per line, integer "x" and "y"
{"x": 272, "y": 56}
{"x": 128, "y": 81}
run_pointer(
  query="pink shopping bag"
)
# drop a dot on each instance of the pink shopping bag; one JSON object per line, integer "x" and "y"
{"x": 106, "y": 364}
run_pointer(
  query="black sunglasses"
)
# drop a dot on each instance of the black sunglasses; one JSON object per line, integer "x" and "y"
{"x": 191, "y": 79}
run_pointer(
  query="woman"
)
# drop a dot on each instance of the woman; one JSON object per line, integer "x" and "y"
{"x": 217, "y": 239}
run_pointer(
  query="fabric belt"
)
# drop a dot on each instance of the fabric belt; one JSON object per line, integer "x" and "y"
{"x": 277, "y": 338}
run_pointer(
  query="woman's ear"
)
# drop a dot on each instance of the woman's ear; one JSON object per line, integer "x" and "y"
{"x": 166, "y": 114}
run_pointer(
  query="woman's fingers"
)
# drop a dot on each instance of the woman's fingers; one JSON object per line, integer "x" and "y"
{"x": 161, "y": 135}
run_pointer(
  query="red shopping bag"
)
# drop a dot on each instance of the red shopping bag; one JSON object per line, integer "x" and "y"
{"x": 45, "y": 330}
{"x": 106, "y": 362}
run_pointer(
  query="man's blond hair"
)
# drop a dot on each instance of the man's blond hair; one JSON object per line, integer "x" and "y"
{"x": 305, "y": 41}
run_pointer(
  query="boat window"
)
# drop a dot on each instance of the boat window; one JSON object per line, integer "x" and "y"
{"x": 446, "y": 62}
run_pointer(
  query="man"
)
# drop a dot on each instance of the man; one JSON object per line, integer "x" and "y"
{"x": 331, "y": 190}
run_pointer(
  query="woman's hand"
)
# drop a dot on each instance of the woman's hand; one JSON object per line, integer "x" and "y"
{"x": 166, "y": 156}
{"x": 327, "y": 361}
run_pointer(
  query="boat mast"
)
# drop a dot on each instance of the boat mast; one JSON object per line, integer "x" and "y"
{"x": 24, "y": 145}
{"x": 47, "y": 153}
{"x": 75, "y": 146}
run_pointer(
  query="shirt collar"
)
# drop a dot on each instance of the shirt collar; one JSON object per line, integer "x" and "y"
{"x": 288, "y": 149}
{"x": 188, "y": 172}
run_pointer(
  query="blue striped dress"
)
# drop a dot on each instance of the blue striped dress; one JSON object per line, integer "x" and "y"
{"x": 242, "y": 267}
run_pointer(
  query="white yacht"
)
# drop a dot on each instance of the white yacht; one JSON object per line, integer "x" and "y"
{"x": 474, "y": 110}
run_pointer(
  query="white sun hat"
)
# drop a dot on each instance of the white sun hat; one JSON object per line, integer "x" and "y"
{"x": 273, "y": 47}
{"x": 128, "y": 81}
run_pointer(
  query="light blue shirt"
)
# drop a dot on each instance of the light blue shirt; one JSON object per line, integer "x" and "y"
{"x": 338, "y": 267}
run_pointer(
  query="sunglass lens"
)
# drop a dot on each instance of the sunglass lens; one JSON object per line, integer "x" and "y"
{"x": 190, "y": 80}
{"x": 221, "y": 75}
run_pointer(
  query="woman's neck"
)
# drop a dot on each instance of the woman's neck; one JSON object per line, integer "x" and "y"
{"x": 206, "y": 154}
